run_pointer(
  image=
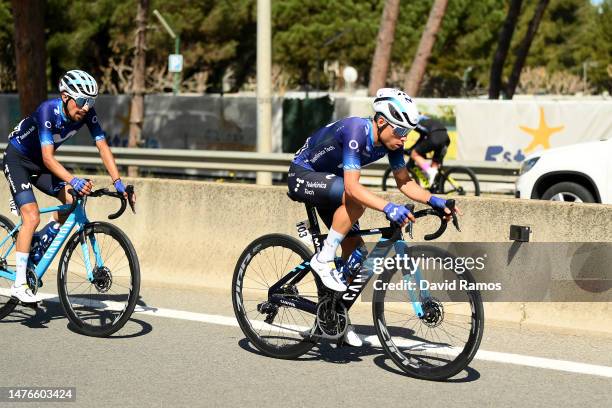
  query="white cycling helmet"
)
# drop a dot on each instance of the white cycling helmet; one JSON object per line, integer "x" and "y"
{"x": 78, "y": 84}
{"x": 396, "y": 107}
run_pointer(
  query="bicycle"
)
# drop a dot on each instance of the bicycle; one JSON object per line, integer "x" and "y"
{"x": 284, "y": 310}
{"x": 97, "y": 297}
{"x": 445, "y": 181}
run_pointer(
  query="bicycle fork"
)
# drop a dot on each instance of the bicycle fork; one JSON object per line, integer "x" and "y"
{"x": 412, "y": 279}
{"x": 85, "y": 251}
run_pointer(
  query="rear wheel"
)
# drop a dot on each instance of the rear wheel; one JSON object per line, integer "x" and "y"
{"x": 274, "y": 328}
{"x": 388, "y": 180}
{"x": 7, "y": 303}
{"x": 458, "y": 181}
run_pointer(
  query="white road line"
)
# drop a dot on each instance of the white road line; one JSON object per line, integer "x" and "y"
{"x": 495, "y": 356}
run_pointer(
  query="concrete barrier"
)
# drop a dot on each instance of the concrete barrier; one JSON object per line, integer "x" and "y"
{"x": 191, "y": 234}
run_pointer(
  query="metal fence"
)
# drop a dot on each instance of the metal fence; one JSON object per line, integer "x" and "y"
{"x": 249, "y": 162}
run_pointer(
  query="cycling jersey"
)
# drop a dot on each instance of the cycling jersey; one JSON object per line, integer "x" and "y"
{"x": 48, "y": 125}
{"x": 433, "y": 137}
{"x": 347, "y": 144}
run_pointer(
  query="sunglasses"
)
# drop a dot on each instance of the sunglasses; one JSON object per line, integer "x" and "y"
{"x": 398, "y": 130}
{"x": 82, "y": 101}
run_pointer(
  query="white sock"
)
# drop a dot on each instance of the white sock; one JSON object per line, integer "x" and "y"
{"x": 328, "y": 253}
{"x": 21, "y": 262}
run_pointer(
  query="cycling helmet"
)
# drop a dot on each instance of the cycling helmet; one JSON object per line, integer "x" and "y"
{"x": 78, "y": 84}
{"x": 396, "y": 107}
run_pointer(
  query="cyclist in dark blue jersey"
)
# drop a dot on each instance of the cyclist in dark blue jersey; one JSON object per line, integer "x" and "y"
{"x": 326, "y": 170}
{"x": 29, "y": 160}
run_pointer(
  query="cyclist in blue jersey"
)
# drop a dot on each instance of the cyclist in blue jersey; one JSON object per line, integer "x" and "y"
{"x": 29, "y": 160}
{"x": 326, "y": 170}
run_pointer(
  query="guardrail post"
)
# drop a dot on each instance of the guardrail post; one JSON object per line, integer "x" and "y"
{"x": 264, "y": 85}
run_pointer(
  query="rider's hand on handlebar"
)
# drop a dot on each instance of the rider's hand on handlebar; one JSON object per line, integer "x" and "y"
{"x": 82, "y": 186}
{"x": 398, "y": 214}
{"x": 440, "y": 204}
{"x": 120, "y": 187}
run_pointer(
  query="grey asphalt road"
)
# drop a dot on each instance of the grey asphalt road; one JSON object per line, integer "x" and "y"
{"x": 172, "y": 362}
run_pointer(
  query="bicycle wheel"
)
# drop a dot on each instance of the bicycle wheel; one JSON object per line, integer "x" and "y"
{"x": 440, "y": 344}
{"x": 263, "y": 263}
{"x": 7, "y": 304}
{"x": 459, "y": 181}
{"x": 388, "y": 180}
{"x": 100, "y": 307}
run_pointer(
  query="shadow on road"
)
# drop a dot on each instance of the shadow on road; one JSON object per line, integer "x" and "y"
{"x": 40, "y": 317}
{"x": 331, "y": 353}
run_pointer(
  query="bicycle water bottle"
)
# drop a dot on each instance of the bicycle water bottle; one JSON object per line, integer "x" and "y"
{"x": 353, "y": 263}
{"x": 43, "y": 240}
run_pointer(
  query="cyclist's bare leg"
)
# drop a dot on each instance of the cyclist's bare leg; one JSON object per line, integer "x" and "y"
{"x": 30, "y": 216}
{"x": 65, "y": 198}
{"x": 344, "y": 217}
{"x": 420, "y": 161}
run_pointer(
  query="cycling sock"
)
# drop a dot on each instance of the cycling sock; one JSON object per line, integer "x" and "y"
{"x": 328, "y": 253}
{"x": 21, "y": 262}
{"x": 425, "y": 166}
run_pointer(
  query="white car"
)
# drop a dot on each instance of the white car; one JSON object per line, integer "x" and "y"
{"x": 576, "y": 173}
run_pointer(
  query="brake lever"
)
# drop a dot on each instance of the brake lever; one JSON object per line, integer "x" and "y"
{"x": 450, "y": 204}
{"x": 130, "y": 192}
{"x": 410, "y": 225}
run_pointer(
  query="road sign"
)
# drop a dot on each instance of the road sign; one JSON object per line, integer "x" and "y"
{"x": 175, "y": 62}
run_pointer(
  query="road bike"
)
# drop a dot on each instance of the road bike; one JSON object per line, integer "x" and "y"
{"x": 456, "y": 180}
{"x": 98, "y": 277}
{"x": 284, "y": 310}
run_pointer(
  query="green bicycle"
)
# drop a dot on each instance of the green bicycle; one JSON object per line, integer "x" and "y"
{"x": 456, "y": 180}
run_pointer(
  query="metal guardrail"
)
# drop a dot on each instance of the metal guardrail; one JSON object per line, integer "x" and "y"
{"x": 245, "y": 161}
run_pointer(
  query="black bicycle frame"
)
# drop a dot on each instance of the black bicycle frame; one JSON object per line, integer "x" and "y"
{"x": 389, "y": 236}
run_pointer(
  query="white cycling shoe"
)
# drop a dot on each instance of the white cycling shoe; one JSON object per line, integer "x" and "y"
{"x": 432, "y": 172}
{"x": 330, "y": 277}
{"x": 24, "y": 294}
{"x": 352, "y": 338}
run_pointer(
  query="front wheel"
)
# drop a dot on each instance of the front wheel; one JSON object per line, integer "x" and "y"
{"x": 458, "y": 181}
{"x": 98, "y": 301}
{"x": 440, "y": 343}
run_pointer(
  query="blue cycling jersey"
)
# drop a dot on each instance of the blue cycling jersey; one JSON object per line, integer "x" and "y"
{"x": 347, "y": 144}
{"x": 48, "y": 125}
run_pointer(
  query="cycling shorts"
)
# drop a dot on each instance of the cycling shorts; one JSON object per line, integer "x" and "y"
{"x": 323, "y": 190}
{"x": 437, "y": 142}
{"x": 22, "y": 173}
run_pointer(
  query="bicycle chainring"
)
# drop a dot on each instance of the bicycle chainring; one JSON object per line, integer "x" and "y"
{"x": 32, "y": 280}
{"x": 332, "y": 323}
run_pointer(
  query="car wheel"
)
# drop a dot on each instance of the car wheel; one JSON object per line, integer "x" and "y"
{"x": 568, "y": 191}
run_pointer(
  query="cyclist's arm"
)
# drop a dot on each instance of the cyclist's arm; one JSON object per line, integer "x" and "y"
{"x": 409, "y": 187}
{"x": 50, "y": 162}
{"x": 356, "y": 191}
{"x": 108, "y": 159}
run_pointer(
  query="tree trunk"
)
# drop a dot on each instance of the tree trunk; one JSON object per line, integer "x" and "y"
{"x": 428, "y": 39}
{"x": 138, "y": 81}
{"x": 505, "y": 37}
{"x": 384, "y": 45}
{"x": 30, "y": 53}
{"x": 523, "y": 50}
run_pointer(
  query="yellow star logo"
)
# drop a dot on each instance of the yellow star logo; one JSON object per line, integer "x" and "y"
{"x": 541, "y": 135}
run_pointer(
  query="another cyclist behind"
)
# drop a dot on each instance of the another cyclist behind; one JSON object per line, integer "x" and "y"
{"x": 433, "y": 138}
{"x": 326, "y": 170}
{"x": 29, "y": 160}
